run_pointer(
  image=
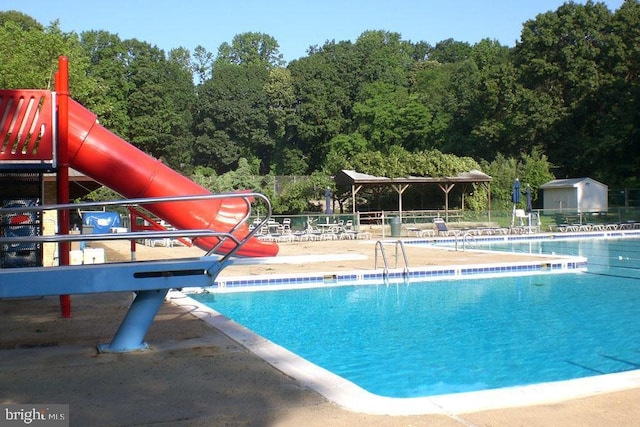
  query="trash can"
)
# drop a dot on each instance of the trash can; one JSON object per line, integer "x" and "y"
{"x": 396, "y": 226}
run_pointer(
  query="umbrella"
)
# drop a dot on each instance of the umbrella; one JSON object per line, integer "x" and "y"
{"x": 327, "y": 195}
{"x": 515, "y": 191}
{"x": 527, "y": 192}
{"x": 515, "y": 199}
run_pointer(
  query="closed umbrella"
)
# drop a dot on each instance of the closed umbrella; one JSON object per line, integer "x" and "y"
{"x": 515, "y": 199}
{"x": 515, "y": 192}
{"x": 527, "y": 193}
{"x": 327, "y": 196}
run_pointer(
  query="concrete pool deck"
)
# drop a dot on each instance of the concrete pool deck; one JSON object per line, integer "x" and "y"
{"x": 195, "y": 375}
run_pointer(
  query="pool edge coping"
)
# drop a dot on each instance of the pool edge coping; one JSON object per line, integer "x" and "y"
{"x": 546, "y": 264}
{"x": 354, "y": 398}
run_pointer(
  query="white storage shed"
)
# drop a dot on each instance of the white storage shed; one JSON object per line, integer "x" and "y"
{"x": 579, "y": 194}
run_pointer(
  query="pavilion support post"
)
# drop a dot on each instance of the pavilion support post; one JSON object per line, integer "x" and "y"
{"x": 400, "y": 188}
{"x": 354, "y": 191}
{"x": 446, "y": 188}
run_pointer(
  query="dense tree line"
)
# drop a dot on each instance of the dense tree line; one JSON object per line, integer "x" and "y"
{"x": 563, "y": 102}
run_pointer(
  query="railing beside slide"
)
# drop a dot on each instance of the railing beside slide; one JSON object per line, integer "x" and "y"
{"x": 223, "y": 236}
{"x": 150, "y": 280}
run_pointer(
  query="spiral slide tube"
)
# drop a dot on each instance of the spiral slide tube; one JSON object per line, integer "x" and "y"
{"x": 113, "y": 162}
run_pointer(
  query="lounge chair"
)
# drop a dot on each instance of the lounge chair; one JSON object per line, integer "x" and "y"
{"x": 421, "y": 232}
{"x": 442, "y": 229}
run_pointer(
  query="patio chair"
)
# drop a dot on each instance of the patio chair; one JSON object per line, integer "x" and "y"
{"x": 529, "y": 222}
{"x": 286, "y": 225}
{"x": 421, "y": 232}
{"x": 348, "y": 232}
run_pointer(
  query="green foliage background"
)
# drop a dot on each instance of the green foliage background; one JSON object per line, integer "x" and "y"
{"x": 563, "y": 102}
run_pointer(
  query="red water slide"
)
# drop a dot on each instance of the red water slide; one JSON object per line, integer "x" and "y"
{"x": 105, "y": 157}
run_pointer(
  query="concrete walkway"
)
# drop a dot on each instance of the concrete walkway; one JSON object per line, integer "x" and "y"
{"x": 193, "y": 375}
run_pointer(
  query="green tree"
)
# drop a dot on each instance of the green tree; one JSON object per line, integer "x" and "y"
{"x": 606, "y": 122}
{"x": 379, "y": 115}
{"x": 107, "y": 65}
{"x": 181, "y": 100}
{"x": 287, "y": 159}
{"x": 503, "y": 171}
{"x": 146, "y": 99}
{"x": 235, "y": 103}
{"x": 533, "y": 169}
{"x": 343, "y": 149}
{"x": 451, "y": 51}
{"x": 430, "y": 91}
{"x": 22, "y": 21}
{"x": 383, "y": 57}
{"x": 563, "y": 57}
{"x": 214, "y": 148}
{"x": 30, "y": 55}
{"x": 206, "y": 177}
{"x": 494, "y": 105}
{"x": 251, "y": 49}
{"x": 160, "y": 102}
{"x": 464, "y": 83}
{"x": 322, "y": 102}
{"x": 245, "y": 177}
{"x": 202, "y": 64}
{"x": 281, "y": 100}
{"x": 298, "y": 196}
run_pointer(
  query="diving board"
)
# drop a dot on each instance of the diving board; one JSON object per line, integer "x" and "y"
{"x": 150, "y": 280}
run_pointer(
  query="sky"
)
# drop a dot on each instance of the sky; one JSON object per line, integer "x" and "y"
{"x": 295, "y": 24}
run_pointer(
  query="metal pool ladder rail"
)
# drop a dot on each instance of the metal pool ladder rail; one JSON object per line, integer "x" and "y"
{"x": 398, "y": 244}
{"x": 465, "y": 237}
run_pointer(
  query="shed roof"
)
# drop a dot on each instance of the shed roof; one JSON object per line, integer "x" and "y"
{"x": 568, "y": 183}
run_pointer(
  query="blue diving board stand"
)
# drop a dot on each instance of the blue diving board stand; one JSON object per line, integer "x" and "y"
{"x": 150, "y": 280}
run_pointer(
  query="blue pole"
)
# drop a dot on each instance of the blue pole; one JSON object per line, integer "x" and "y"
{"x": 134, "y": 327}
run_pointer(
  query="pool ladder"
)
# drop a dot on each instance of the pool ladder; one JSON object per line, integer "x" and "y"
{"x": 385, "y": 271}
{"x": 464, "y": 238}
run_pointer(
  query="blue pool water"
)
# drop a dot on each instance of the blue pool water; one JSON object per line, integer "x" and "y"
{"x": 423, "y": 339}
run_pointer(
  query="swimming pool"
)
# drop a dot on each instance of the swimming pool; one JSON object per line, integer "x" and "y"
{"x": 455, "y": 336}
{"x": 615, "y": 257}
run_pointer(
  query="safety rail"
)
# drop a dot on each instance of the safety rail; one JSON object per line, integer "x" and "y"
{"x": 398, "y": 244}
{"x": 465, "y": 237}
{"x": 222, "y": 236}
{"x": 150, "y": 280}
{"x": 150, "y": 223}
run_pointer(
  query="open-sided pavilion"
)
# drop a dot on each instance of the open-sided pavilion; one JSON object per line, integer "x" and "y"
{"x": 356, "y": 181}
